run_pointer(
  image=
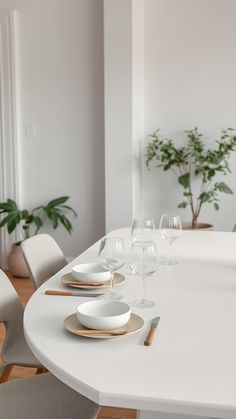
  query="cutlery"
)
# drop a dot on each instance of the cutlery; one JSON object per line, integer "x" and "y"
{"x": 101, "y": 332}
{"x": 70, "y": 293}
{"x": 152, "y": 331}
{"x": 95, "y": 284}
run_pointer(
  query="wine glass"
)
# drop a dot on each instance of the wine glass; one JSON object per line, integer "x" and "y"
{"x": 143, "y": 230}
{"x": 143, "y": 262}
{"x": 111, "y": 256}
{"x": 171, "y": 228}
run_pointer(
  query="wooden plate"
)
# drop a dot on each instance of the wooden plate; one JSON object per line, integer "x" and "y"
{"x": 118, "y": 279}
{"x": 135, "y": 323}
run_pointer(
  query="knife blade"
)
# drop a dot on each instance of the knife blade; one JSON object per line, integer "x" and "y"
{"x": 71, "y": 293}
{"x": 152, "y": 331}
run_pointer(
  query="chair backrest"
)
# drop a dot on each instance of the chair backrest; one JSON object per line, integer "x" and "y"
{"x": 11, "y": 312}
{"x": 43, "y": 257}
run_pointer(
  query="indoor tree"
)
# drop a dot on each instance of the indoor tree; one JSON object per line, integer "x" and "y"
{"x": 194, "y": 160}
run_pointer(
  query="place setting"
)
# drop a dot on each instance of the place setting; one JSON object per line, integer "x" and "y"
{"x": 107, "y": 317}
{"x": 90, "y": 276}
{"x": 97, "y": 275}
{"x": 103, "y": 319}
{"x": 100, "y": 274}
{"x": 108, "y": 320}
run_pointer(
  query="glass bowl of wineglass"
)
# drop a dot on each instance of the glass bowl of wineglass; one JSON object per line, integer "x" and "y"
{"x": 143, "y": 230}
{"x": 170, "y": 229}
{"x": 111, "y": 256}
{"x": 143, "y": 262}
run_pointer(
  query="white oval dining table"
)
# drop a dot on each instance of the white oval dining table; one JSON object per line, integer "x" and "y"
{"x": 190, "y": 369}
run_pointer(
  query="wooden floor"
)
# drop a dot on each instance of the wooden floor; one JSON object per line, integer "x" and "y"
{"x": 24, "y": 289}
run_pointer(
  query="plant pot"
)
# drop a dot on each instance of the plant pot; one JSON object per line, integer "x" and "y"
{"x": 16, "y": 262}
{"x": 199, "y": 226}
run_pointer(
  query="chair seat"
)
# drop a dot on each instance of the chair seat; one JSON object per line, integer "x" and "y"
{"x": 43, "y": 397}
{"x": 14, "y": 350}
{"x": 20, "y": 354}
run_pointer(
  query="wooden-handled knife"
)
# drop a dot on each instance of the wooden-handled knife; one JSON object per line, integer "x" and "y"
{"x": 152, "y": 331}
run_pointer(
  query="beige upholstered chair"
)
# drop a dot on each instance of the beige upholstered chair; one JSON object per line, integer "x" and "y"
{"x": 15, "y": 350}
{"x": 43, "y": 257}
{"x": 43, "y": 397}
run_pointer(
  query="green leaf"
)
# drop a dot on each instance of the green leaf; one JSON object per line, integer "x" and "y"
{"x": 5, "y": 220}
{"x": 11, "y": 220}
{"x": 166, "y": 167}
{"x": 205, "y": 197}
{"x": 211, "y": 173}
{"x": 216, "y": 206}
{"x": 184, "y": 180}
{"x": 8, "y": 206}
{"x": 57, "y": 201}
{"x": 38, "y": 222}
{"x": 12, "y": 204}
{"x": 187, "y": 194}
{"x": 24, "y": 214}
{"x": 222, "y": 187}
{"x": 67, "y": 224}
{"x": 5, "y": 207}
{"x": 70, "y": 209}
{"x": 183, "y": 205}
{"x": 54, "y": 218}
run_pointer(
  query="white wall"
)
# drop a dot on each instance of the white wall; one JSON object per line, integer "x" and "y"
{"x": 60, "y": 69}
{"x": 123, "y": 72}
{"x": 190, "y": 80}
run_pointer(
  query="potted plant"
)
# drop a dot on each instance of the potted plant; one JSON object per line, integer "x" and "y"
{"x": 194, "y": 162}
{"x": 30, "y": 222}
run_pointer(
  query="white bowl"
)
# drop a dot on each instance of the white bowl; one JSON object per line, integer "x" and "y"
{"x": 90, "y": 272}
{"x": 103, "y": 314}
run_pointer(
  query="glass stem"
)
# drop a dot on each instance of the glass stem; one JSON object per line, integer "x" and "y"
{"x": 142, "y": 277}
{"x": 111, "y": 285}
{"x": 143, "y": 288}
